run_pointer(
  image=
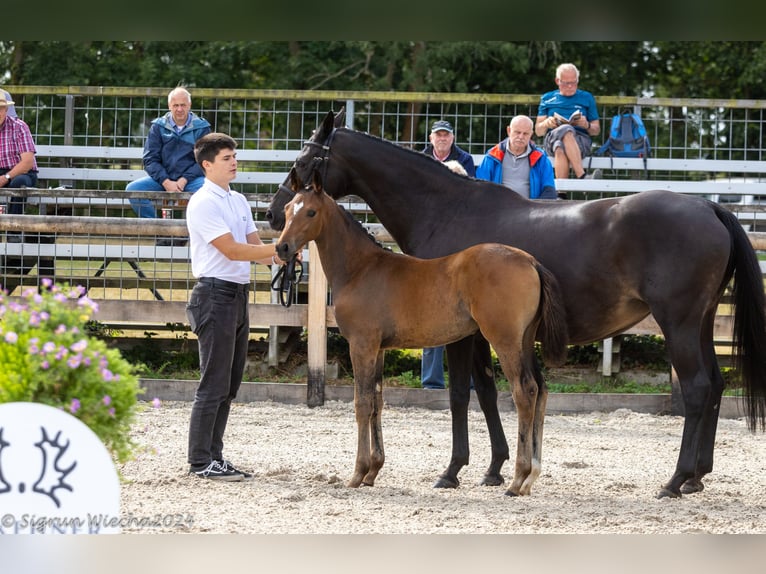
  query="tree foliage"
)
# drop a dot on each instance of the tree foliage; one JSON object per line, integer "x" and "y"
{"x": 662, "y": 68}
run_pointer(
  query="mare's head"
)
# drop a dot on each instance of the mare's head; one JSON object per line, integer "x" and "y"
{"x": 309, "y": 161}
{"x": 304, "y": 214}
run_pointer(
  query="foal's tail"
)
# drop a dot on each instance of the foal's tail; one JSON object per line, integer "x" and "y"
{"x": 552, "y": 331}
{"x": 749, "y": 319}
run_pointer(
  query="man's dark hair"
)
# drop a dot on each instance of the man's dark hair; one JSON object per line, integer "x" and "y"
{"x": 208, "y": 146}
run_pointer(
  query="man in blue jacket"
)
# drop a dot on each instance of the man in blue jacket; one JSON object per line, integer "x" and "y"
{"x": 519, "y": 164}
{"x": 169, "y": 155}
{"x": 441, "y": 147}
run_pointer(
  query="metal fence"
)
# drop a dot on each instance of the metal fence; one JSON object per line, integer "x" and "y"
{"x": 282, "y": 120}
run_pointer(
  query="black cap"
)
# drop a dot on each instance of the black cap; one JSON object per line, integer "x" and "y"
{"x": 442, "y": 125}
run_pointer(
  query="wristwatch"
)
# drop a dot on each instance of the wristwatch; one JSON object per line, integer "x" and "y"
{"x": 6, "y": 176}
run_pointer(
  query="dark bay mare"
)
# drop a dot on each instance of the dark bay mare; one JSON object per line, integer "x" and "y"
{"x": 386, "y": 300}
{"x": 616, "y": 260}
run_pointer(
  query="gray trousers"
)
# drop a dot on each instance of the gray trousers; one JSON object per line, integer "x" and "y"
{"x": 218, "y": 314}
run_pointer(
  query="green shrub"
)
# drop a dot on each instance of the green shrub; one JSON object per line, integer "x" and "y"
{"x": 48, "y": 357}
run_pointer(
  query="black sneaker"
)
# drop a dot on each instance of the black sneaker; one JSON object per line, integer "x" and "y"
{"x": 226, "y": 465}
{"x": 214, "y": 471}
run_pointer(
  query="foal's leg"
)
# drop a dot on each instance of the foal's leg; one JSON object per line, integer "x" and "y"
{"x": 364, "y": 365}
{"x": 486, "y": 392}
{"x": 537, "y": 425}
{"x": 459, "y": 356}
{"x": 377, "y": 455}
{"x": 524, "y": 391}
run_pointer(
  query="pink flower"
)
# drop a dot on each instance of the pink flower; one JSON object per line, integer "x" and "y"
{"x": 107, "y": 400}
{"x": 156, "y": 403}
{"x": 74, "y": 406}
{"x": 11, "y": 337}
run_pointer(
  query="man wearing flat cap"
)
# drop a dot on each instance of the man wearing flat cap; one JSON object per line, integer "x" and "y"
{"x": 442, "y": 148}
{"x": 18, "y": 167}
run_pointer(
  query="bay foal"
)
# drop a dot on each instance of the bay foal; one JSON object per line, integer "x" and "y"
{"x": 387, "y": 300}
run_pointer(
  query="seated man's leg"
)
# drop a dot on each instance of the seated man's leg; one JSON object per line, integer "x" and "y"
{"x": 432, "y": 368}
{"x": 144, "y": 207}
{"x": 194, "y": 184}
{"x": 573, "y": 154}
{"x": 16, "y": 204}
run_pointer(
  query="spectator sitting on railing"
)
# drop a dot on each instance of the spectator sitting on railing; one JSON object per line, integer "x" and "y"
{"x": 568, "y": 118}
{"x": 18, "y": 167}
{"x": 519, "y": 164}
{"x": 169, "y": 156}
{"x": 442, "y": 147}
{"x": 11, "y": 107}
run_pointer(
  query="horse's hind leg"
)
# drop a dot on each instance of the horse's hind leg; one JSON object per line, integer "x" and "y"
{"x": 537, "y": 427}
{"x": 486, "y": 392}
{"x": 459, "y": 364}
{"x": 701, "y": 389}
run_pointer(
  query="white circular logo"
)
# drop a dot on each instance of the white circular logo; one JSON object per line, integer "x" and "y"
{"x": 56, "y": 476}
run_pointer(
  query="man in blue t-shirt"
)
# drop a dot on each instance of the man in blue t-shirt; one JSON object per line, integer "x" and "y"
{"x": 568, "y": 117}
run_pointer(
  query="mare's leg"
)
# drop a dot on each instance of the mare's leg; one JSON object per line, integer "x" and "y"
{"x": 459, "y": 356}
{"x": 377, "y": 455}
{"x": 701, "y": 390}
{"x": 364, "y": 408}
{"x": 486, "y": 392}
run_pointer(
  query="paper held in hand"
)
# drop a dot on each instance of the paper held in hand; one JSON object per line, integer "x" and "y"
{"x": 562, "y": 120}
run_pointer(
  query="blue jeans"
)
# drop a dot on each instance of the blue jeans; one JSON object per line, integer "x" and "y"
{"x": 432, "y": 368}
{"x": 29, "y": 179}
{"x": 145, "y": 207}
{"x": 218, "y": 315}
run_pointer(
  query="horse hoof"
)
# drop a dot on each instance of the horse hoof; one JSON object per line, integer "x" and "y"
{"x": 509, "y": 492}
{"x": 492, "y": 480}
{"x": 445, "y": 482}
{"x": 665, "y": 493}
{"x": 691, "y": 486}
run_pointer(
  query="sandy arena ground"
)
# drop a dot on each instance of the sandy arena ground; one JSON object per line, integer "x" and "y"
{"x": 600, "y": 474}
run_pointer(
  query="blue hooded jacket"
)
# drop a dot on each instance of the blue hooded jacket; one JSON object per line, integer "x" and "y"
{"x": 170, "y": 155}
{"x": 541, "y": 182}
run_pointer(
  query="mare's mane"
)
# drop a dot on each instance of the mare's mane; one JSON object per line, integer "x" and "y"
{"x": 360, "y": 225}
{"x": 429, "y": 162}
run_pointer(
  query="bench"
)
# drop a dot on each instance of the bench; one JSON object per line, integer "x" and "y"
{"x": 101, "y": 154}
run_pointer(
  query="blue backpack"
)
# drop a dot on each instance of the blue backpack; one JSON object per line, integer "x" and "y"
{"x": 627, "y": 137}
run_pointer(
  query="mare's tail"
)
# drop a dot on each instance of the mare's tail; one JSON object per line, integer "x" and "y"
{"x": 749, "y": 319}
{"x": 552, "y": 331}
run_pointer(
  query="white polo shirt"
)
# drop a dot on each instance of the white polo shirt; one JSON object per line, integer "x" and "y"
{"x": 211, "y": 213}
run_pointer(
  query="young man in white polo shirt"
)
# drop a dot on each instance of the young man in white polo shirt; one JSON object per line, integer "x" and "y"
{"x": 223, "y": 242}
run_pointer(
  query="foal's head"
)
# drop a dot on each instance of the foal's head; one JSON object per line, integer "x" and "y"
{"x": 304, "y": 216}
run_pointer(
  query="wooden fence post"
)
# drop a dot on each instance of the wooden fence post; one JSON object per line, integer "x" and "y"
{"x": 317, "y": 329}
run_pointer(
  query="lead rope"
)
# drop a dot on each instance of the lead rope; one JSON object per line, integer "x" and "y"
{"x": 284, "y": 282}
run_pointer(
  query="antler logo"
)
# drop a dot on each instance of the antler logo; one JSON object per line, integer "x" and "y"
{"x": 4, "y": 486}
{"x": 51, "y": 476}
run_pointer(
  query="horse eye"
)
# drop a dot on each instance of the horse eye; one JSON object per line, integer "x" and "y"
{"x": 311, "y": 212}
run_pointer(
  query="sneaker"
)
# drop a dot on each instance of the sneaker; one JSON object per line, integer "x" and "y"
{"x": 595, "y": 174}
{"x": 214, "y": 471}
{"x": 228, "y": 466}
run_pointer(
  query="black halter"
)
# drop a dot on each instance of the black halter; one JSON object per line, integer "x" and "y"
{"x": 284, "y": 282}
{"x": 320, "y": 161}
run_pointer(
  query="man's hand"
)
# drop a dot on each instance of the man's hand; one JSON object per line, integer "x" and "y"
{"x": 170, "y": 185}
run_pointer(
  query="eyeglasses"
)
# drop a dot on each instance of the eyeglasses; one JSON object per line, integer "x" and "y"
{"x": 568, "y": 83}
